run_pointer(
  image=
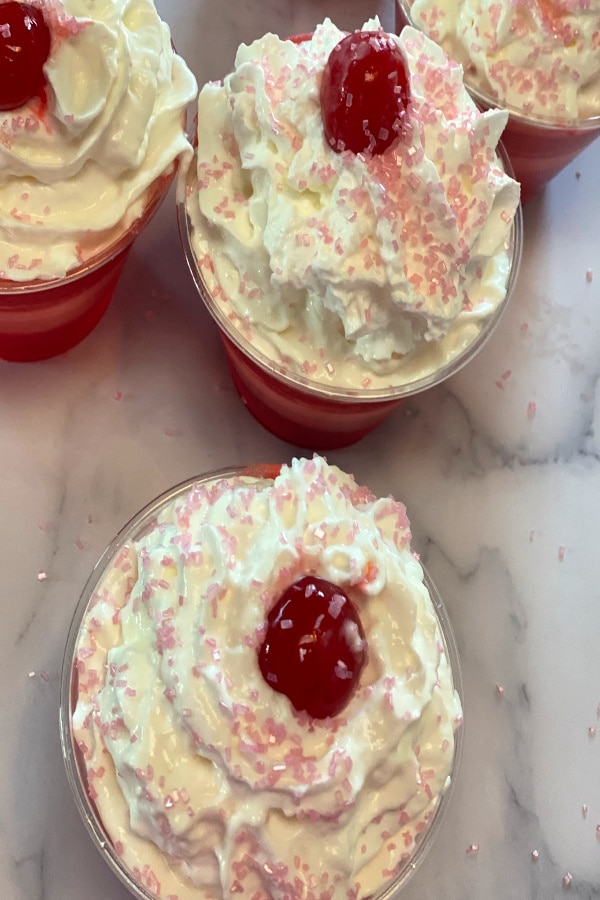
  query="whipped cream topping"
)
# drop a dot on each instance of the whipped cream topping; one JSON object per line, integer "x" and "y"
{"x": 541, "y": 57}
{"x": 354, "y": 270}
{"x": 75, "y": 170}
{"x": 208, "y": 782}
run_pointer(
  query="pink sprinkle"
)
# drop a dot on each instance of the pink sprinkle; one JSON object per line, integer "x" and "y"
{"x": 567, "y": 879}
{"x": 598, "y": 832}
{"x": 472, "y": 849}
{"x": 588, "y": 275}
{"x": 535, "y": 855}
{"x": 561, "y": 552}
{"x": 43, "y": 526}
{"x": 118, "y": 395}
{"x": 531, "y": 409}
{"x": 172, "y": 432}
{"x": 42, "y": 576}
{"x": 500, "y": 690}
{"x": 79, "y": 544}
{"x": 592, "y": 731}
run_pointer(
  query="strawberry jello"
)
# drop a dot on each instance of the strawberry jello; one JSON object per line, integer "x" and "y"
{"x": 259, "y": 692}
{"x": 93, "y": 105}
{"x": 538, "y": 59}
{"x": 351, "y": 252}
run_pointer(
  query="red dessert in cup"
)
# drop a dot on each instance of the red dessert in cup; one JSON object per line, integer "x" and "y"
{"x": 347, "y": 275}
{"x": 84, "y": 164}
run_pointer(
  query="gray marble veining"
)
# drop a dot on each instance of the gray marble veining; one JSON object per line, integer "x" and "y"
{"x": 500, "y": 471}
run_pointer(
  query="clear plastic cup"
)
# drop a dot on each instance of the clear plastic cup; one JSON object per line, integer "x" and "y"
{"x": 43, "y": 318}
{"x": 539, "y": 147}
{"x": 73, "y": 758}
{"x": 309, "y": 413}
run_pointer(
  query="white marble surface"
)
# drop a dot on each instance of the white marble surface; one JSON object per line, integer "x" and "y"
{"x": 504, "y": 503}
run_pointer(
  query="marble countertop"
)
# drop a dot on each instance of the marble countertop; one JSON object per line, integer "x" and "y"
{"x": 499, "y": 468}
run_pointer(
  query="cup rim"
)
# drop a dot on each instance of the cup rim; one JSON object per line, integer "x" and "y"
{"x": 299, "y": 382}
{"x": 153, "y": 196}
{"x": 487, "y": 100}
{"x": 74, "y": 766}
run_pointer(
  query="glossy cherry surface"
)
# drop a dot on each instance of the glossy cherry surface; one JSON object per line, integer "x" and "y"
{"x": 314, "y": 648}
{"x": 24, "y": 48}
{"x": 364, "y": 93}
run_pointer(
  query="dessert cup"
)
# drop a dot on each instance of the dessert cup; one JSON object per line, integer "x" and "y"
{"x": 43, "y": 318}
{"x": 73, "y": 758}
{"x": 303, "y": 411}
{"x": 539, "y": 147}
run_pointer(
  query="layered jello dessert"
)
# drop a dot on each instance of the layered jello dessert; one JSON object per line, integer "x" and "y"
{"x": 350, "y": 225}
{"x": 539, "y": 60}
{"x": 93, "y": 103}
{"x": 259, "y": 692}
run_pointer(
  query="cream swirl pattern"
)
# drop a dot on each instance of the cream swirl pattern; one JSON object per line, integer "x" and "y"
{"x": 75, "y": 169}
{"x": 206, "y": 779}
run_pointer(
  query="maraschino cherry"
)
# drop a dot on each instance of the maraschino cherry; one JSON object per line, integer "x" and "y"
{"x": 24, "y": 48}
{"x": 364, "y": 93}
{"x": 314, "y": 648}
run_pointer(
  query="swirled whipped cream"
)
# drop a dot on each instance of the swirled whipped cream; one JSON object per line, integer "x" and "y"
{"x": 353, "y": 269}
{"x": 208, "y": 782}
{"x": 75, "y": 169}
{"x": 540, "y": 56}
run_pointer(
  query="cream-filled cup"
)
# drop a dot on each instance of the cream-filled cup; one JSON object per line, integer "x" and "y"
{"x": 203, "y": 759}
{"x": 344, "y": 281}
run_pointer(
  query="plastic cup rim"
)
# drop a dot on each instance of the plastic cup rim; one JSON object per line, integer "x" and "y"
{"x": 484, "y": 99}
{"x": 75, "y": 776}
{"x": 299, "y": 382}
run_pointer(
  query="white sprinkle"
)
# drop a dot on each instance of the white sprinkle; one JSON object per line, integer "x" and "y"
{"x": 42, "y": 576}
{"x": 535, "y": 855}
{"x": 592, "y": 731}
{"x": 472, "y": 849}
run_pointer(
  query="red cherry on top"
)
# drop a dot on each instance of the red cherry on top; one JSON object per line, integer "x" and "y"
{"x": 24, "y": 48}
{"x": 364, "y": 93}
{"x": 314, "y": 648}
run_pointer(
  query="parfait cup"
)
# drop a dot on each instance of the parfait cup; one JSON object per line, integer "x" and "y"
{"x": 110, "y": 838}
